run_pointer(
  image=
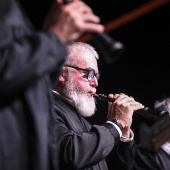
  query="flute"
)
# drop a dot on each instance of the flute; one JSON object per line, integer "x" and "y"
{"x": 146, "y": 112}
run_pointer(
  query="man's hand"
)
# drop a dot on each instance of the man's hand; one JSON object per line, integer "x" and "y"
{"x": 122, "y": 109}
{"x": 70, "y": 21}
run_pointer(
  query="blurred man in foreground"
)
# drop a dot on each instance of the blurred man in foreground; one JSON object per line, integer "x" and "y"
{"x": 29, "y": 61}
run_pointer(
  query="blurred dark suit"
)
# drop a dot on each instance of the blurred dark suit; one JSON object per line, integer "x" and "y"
{"x": 145, "y": 160}
{"x": 29, "y": 61}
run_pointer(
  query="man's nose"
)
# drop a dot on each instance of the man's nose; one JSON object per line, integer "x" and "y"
{"x": 94, "y": 82}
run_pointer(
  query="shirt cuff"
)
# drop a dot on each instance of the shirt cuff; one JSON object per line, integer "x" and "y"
{"x": 117, "y": 127}
{"x": 124, "y": 139}
{"x": 166, "y": 147}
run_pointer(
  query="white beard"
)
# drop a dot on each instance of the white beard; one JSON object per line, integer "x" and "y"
{"x": 86, "y": 105}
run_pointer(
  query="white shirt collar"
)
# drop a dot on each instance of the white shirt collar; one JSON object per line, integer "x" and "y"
{"x": 166, "y": 147}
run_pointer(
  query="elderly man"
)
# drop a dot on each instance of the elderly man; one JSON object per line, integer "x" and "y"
{"x": 81, "y": 145}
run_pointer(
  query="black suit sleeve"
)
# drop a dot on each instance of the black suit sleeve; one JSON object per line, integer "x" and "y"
{"x": 25, "y": 58}
{"x": 122, "y": 156}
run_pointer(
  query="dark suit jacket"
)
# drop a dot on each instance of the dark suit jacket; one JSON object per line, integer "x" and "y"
{"x": 81, "y": 145}
{"x": 28, "y": 61}
{"x": 145, "y": 160}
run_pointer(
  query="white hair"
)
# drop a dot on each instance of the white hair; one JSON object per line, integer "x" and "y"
{"x": 163, "y": 105}
{"x": 75, "y": 47}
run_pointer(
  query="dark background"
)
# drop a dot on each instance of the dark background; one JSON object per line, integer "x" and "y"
{"x": 143, "y": 70}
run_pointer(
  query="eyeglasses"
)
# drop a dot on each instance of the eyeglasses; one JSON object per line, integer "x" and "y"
{"x": 90, "y": 72}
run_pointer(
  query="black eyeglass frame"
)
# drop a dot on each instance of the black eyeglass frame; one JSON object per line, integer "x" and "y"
{"x": 89, "y": 72}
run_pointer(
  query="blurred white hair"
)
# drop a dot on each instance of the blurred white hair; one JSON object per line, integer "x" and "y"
{"x": 163, "y": 105}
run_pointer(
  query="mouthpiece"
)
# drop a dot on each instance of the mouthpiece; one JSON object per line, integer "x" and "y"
{"x": 146, "y": 112}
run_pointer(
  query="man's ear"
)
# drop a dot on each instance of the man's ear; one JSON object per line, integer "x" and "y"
{"x": 63, "y": 75}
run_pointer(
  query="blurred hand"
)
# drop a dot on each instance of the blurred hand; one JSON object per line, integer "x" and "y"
{"x": 70, "y": 21}
{"x": 122, "y": 109}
